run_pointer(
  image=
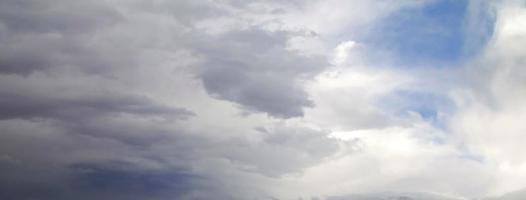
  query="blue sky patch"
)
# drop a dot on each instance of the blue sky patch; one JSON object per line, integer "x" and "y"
{"x": 434, "y": 34}
{"x": 428, "y": 105}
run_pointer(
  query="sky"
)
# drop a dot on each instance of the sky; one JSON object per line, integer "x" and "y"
{"x": 263, "y": 99}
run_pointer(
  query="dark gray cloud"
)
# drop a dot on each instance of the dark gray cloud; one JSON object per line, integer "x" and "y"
{"x": 255, "y": 69}
{"x": 126, "y": 159}
{"x": 248, "y": 64}
{"x": 251, "y": 67}
{"x": 57, "y": 17}
{"x": 36, "y": 35}
{"x": 45, "y": 159}
{"x": 77, "y": 123}
{"x": 103, "y": 181}
{"x": 82, "y": 107}
{"x": 61, "y": 129}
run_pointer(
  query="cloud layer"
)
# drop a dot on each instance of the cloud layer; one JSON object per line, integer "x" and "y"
{"x": 233, "y": 99}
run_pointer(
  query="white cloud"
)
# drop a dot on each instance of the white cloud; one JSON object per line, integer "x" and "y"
{"x": 491, "y": 113}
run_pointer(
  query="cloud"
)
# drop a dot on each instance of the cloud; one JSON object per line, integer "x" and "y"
{"x": 491, "y": 106}
{"x": 250, "y": 100}
{"x": 37, "y": 35}
{"x": 510, "y": 196}
{"x": 255, "y": 69}
{"x": 395, "y": 196}
{"x": 69, "y": 108}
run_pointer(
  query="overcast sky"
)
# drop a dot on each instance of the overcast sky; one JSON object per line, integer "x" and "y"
{"x": 262, "y": 99}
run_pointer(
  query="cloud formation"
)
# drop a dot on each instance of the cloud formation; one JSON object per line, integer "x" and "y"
{"x": 258, "y": 99}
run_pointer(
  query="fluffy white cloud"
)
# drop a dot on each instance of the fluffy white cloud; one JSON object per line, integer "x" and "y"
{"x": 491, "y": 110}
